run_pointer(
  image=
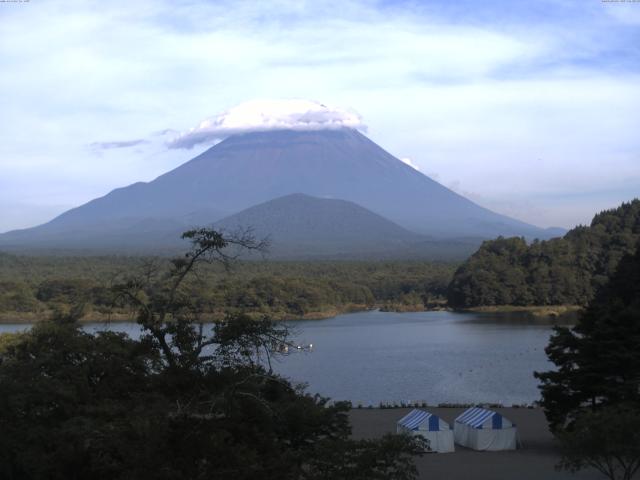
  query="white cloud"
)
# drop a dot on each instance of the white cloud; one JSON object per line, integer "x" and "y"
{"x": 264, "y": 115}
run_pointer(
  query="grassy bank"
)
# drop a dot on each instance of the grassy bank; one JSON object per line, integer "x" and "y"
{"x": 120, "y": 316}
{"x": 319, "y": 313}
{"x": 535, "y": 310}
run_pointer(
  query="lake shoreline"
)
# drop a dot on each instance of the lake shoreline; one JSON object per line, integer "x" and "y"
{"x": 550, "y": 311}
{"x": 120, "y": 317}
{"x": 534, "y": 310}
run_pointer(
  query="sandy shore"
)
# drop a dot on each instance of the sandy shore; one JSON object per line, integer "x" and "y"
{"x": 534, "y": 461}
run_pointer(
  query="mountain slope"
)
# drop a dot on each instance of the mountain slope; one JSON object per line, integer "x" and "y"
{"x": 252, "y": 168}
{"x": 249, "y": 169}
{"x": 301, "y": 225}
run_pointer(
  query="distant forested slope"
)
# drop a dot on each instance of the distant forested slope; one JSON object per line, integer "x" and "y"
{"x": 32, "y": 287}
{"x": 567, "y": 270}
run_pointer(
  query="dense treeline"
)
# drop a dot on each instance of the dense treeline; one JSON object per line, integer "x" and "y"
{"x": 32, "y": 286}
{"x": 567, "y": 270}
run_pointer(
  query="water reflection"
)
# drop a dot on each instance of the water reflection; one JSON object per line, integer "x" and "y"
{"x": 437, "y": 357}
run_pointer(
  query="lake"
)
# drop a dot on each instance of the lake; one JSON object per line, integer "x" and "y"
{"x": 436, "y": 357}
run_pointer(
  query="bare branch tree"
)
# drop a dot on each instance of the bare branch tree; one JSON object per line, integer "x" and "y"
{"x": 171, "y": 317}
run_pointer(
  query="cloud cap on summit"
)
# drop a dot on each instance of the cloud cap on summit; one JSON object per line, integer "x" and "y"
{"x": 265, "y": 115}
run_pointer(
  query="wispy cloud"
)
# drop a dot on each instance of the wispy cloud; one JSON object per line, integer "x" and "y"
{"x": 117, "y": 144}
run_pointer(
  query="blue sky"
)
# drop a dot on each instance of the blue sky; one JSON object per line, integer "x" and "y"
{"x": 528, "y": 108}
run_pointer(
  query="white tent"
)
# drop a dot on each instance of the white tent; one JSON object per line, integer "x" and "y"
{"x": 433, "y": 428}
{"x": 482, "y": 429}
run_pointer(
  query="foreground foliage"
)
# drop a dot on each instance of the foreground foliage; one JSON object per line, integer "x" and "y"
{"x": 182, "y": 402}
{"x": 567, "y": 270}
{"x": 592, "y": 399}
{"x": 598, "y": 360}
{"x": 607, "y": 440}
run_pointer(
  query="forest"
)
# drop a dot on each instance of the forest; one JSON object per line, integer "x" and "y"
{"x": 33, "y": 287}
{"x": 561, "y": 271}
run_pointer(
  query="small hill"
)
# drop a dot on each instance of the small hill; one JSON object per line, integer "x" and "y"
{"x": 567, "y": 270}
{"x": 302, "y": 226}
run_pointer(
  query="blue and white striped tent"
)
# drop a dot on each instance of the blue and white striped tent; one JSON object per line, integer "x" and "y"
{"x": 483, "y": 429}
{"x": 429, "y": 426}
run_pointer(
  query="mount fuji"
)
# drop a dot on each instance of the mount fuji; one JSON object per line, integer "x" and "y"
{"x": 249, "y": 169}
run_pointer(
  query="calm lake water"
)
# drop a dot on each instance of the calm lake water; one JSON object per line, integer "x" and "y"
{"x": 437, "y": 357}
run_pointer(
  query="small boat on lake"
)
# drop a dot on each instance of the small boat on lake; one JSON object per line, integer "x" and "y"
{"x": 285, "y": 348}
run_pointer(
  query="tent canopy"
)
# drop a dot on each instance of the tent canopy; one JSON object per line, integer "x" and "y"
{"x": 481, "y": 418}
{"x": 482, "y": 429}
{"x": 433, "y": 429}
{"x": 421, "y": 420}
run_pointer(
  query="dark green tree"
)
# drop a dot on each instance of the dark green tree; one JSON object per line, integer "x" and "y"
{"x": 607, "y": 440}
{"x": 598, "y": 361}
{"x": 592, "y": 399}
